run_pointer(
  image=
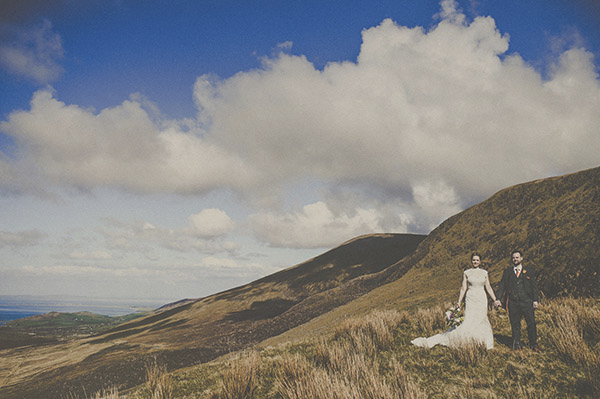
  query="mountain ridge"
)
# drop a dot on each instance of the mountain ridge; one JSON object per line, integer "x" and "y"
{"x": 515, "y": 217}
{"x": 556, "y": 221}
{"x": 197, "y": 330}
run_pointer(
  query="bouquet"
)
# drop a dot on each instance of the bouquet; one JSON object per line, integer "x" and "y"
{"x": 454, "y": 316}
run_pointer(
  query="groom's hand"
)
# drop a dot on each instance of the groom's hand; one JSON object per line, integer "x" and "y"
{"x": 497, "y": 303}
{"x": 535, "y": 304}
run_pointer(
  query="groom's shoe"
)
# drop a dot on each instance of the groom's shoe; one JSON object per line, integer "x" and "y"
{"x": 517, "y": 345}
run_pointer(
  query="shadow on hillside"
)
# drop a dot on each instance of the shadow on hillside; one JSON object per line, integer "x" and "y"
{"x": 11, "y": 338}
{"x": 372, "y": 256}
{"x": 337, "y": 266}
{"x": 127, "y": 329}
{"x": 262, "y": 310}
{"x": 131, "y": 371}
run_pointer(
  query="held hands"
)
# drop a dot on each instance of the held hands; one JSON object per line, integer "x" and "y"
{"x": 497, "y": 303}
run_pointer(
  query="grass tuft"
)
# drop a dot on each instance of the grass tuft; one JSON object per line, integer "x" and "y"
{"x": 569, "y": 324}
{"x": 240, "y": 378}
{"x": 469, "y": 354}
{"x": 430, "y": 320}
{"x": 159, "y": 384}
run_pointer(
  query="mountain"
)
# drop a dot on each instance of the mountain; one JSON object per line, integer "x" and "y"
{"x": 555, "y": 221}
{"x": 193, "y": 331}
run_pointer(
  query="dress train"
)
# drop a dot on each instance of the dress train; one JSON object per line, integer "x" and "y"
{"x": 476, "y": 327}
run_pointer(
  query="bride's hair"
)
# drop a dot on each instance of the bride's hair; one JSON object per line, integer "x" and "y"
{"x": 474, "y": 254}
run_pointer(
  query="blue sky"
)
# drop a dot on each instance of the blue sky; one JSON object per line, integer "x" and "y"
{"x": 176, "y": 149}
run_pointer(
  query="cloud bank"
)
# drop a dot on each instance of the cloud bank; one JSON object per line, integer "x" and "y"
{"x": 431, "y": 120}
{"x": 316, "y": 226}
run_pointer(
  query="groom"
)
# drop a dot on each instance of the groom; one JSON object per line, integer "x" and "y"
{"x": 519, "y": 292}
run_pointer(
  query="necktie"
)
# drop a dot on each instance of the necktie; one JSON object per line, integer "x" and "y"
{"x": 518, "y": 272}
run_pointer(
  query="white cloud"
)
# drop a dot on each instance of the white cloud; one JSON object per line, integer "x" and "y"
{"x": 205, "y": 233}
{"x": 21, "y": 239}
{"x": 449, "y": 11}
{"x": 449, "y": 103}
{"x": 127, "y": 146}
{"x": 437, "y": 200}
{"x": 285, "y": 46}
{"x": 317, "y": 226}
{"x": 210, "y": 223}
{"x": 33, "y": 52}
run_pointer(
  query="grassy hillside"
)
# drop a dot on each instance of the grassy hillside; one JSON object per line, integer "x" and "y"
{"x": 555, "y": 221}
{"x": 196, "y": 331}
{"x": 371, "y": 357}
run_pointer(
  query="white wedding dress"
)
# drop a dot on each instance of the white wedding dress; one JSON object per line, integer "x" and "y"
{"x": 476, "y": 326}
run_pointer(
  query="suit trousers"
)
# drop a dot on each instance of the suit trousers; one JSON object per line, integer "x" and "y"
{"x": 516, "y": 311}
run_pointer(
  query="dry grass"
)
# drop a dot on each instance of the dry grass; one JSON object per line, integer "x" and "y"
{"x": 158, "y": 385}
{"x": 299, "y": 379}
{"x": 349, "y": 364}
{"x": 429, "y": 320}
{"x": 575, "y": 334}
{"x": 159, "y": 382}
{"x": 524, "y": 392}
{"x": 567, "y": 337}
{"x": 402, "y": 382}
{"x": 351, "y": 375}
{"x": 469, "y": 354}
{"x": 469, "y": 390}
{"x": 112, "y": 393}
{"x": 592, "y": 373}
{"x": 240, "y": 377}
{"x": 574, "y": 329}
{"x": 370, "y": 358}
{"x": 378, "y": 328}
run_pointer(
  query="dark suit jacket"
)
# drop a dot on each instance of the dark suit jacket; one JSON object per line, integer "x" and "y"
{"x": 508, "y": 286}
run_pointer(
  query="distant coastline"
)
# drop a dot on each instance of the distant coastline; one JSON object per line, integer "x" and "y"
{"x": 13, "y": 307}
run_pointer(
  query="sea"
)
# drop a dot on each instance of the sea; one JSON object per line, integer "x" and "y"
{"x": 20, "y": 306}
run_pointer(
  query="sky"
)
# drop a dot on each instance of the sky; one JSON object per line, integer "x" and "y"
{"x": 175, "y": 149}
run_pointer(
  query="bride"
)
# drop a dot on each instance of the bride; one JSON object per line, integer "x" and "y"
{"x": 476, "y": 326}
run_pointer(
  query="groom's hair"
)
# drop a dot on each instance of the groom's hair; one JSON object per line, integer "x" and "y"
{"x": 517, "y": 251}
